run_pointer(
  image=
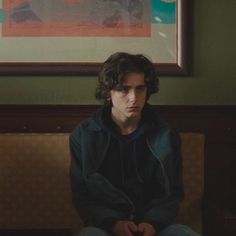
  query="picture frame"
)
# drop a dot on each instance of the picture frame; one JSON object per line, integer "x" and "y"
{"x": 177, "y": 66}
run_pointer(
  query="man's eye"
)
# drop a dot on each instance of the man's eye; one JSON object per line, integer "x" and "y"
{"x": 141, "y": 88}
{"x": 123, "y": 89}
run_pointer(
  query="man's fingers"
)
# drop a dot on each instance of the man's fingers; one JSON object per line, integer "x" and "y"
{"x": 146, "y": 229}
{"x": 125, "y": 228}
{"x": 133, "y": 227}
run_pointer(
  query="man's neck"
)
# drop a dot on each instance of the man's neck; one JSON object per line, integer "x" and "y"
{"x": 126, "y": 125}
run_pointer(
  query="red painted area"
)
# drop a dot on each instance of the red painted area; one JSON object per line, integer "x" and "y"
{"x": 65, "y": 29}
{"x": 8, "y": 4}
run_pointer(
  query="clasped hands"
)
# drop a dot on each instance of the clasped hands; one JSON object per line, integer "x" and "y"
{"x": 129, "y": 228}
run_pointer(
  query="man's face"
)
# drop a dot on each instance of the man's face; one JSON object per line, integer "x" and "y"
{"x": 128, "y": 99}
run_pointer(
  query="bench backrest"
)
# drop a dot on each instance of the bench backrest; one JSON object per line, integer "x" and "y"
{"x": 35, "y": 189}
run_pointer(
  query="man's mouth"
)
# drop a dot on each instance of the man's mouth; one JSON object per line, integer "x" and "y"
{"x": 133, "y": 108}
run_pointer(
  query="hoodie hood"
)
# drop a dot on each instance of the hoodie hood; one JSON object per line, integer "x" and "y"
{"x": 149, "y": 121}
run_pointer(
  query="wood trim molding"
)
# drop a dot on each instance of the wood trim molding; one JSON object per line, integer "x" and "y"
{"x": 63, "y": 118}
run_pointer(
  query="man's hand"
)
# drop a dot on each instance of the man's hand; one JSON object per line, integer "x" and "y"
{"x": 125, "y": 228}
{"x": 146, "y": 229}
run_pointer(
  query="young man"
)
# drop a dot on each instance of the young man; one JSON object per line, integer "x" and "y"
{"x": 125, "y": 161}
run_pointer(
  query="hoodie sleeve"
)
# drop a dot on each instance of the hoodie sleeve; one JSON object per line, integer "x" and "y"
{"x": 92, "y": 211}
{"x": 163, "y": 213}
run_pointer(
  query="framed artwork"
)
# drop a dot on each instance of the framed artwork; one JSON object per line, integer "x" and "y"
{"x": 73, "y": 37}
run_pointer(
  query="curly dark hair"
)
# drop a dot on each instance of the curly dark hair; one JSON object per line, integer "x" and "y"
{"x": 117, "y": 66}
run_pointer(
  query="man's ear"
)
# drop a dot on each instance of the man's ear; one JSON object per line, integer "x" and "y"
{"x": 108, "y": 97}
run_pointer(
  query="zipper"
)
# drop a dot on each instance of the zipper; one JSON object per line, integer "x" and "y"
{"x": 132, "y": 210}
{"x": 167, "y": 184}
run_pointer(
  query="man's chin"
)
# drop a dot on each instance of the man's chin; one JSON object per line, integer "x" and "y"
{"x": 133, "y": 114}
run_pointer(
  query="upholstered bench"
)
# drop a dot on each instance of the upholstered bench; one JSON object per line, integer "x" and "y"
{"x": 35, "y": 190}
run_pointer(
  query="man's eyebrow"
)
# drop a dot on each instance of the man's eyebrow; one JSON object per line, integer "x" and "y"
{"x": 123, "y": 86}
{"x": 126, "y": 86}
{"x": 129, "y": 86}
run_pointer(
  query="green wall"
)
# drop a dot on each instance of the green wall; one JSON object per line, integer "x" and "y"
{"x": 214, "y": 69}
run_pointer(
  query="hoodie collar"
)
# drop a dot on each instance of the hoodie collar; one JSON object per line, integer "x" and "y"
{"x": 101, "y": 119}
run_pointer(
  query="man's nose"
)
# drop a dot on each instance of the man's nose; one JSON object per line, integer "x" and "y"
{"x": 132, "y": 95}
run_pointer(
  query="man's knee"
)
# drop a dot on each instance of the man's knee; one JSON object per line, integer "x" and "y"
{"x": 178, "y": 230}
{"x": 91, "y": 231}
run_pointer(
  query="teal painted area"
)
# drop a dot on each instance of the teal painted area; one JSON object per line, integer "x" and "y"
{"x": 163, "y": 12}
{"x": 1, "y": 15}
{"x": 213, "y": 81}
